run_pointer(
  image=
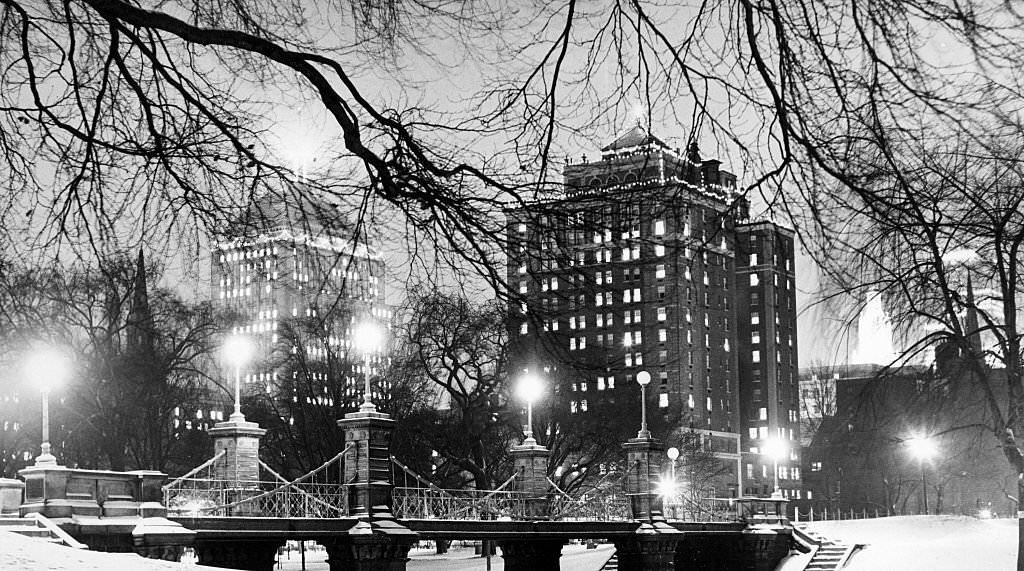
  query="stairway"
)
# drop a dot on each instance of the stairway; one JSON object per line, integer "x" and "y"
{"x": 39, "y": 527}
{"x": 612, "y": 564}
{"x": 829, "y": 555}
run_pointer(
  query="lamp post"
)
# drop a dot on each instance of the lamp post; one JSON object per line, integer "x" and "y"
{"x": 237, "y": 350}
{"x": 775, "y": 448}
{"x": 673, "y": 455}
{"x": 48, "y": 368}
{"x": 369, "y": 338}
{"x": 643, "y": 378}
{"x": 923, "y": 448}
{"x": 529, "y": 389}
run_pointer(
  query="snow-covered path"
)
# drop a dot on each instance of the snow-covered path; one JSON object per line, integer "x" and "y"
{"x": 927, "y": 543}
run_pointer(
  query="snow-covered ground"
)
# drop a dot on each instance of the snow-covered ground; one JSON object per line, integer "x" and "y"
{"x": 932, "y": 543}
{"x": 905, "y": 543}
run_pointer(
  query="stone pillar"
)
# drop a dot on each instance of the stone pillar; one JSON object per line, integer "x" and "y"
{"x": 240, "y": 440}
{"x": 240, "y": 467}
{"x": 253, "y": 555}
{"x": 643, "y": 458}
{"x": 386, "y": 548}
{"x": 11, "y": 493}
{"x": 531, "y": 554}
{"x": 531, "y": 467}
{"x": 377, "y": 542}
{"x": 653, "y": 545}
{"x": 652, "y": 548}
{"x": 368, "y": 464}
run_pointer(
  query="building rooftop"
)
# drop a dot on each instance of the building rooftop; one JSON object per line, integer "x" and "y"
{"x": 637, "y": 136}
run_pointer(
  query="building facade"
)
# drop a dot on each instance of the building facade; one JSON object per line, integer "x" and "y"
{"x": 645, "y": 263}
{"x": 297, "y": 282}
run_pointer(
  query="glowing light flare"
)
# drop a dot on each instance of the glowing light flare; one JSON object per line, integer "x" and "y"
{"x": 237, "y": 350}
{"x": 922, "y": 448}
{"x": 775, "y": 448}
{"x": 368, "y": 337}
{"x": 48, "y": 368}
{"x": 667, "y": 488}
{"x": 530, "y": 388}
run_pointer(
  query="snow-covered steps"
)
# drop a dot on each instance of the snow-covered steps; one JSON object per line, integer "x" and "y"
{"x": 830, "y": 558}
{"x": 612, "y": 564}
{"x": 827, "y": 555}
{"x": 38, "y": 526}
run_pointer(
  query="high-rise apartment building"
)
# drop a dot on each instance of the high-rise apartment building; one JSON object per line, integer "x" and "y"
{"x": 299, "y": 283}
{"x": 645, "y": 263}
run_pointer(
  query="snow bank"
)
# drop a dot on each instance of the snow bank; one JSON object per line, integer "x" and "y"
{"x": 20, "y": 552}
{"x": 932, "y": 543}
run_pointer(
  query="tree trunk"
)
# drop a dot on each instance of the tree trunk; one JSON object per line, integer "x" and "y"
{"x": 1020, "y": 523}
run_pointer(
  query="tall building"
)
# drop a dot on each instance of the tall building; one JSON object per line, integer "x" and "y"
{"x": 767, "y": 350}
{"x": 646, "y": 261}
{"x": 298, "y": 281}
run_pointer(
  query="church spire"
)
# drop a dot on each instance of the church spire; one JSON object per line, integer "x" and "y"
{"x": 140, "y": 318}
{"x": 973, "y": 332}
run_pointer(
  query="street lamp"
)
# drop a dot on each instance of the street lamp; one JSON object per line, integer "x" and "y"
{"x": 775, "y": 448}
{"x": 529, "y": 389}
{"x": 49, "y": 369}
{"x": 923, "y": 448}
{"x": 673, "y": 455}
{"x": 643, "y": 378}
{"x": 237, "y": 351}
{"x": 369, "y": 338}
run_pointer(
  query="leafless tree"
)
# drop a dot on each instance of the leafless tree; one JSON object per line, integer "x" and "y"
{"x": 817, "y": 399}
{"x": 132, "y": 368}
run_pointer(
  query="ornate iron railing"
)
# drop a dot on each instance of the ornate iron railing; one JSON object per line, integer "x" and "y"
{"x": 703, "y": 509}
{"x": 200, "y": 494}
{"x": 213, "y": 498}
{"x": 592, "y": 506}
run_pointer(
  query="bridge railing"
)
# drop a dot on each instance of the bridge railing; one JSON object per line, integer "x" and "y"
{"x": 597, "y": 506}
{"x": 220, "y": 498}
{"x": 315, "y": 494}
{"x": 438, "y": 503}
{"x": 702, "y": 509}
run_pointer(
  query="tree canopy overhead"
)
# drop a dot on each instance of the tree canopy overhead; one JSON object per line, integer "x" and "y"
{"x": 129, "y": 121}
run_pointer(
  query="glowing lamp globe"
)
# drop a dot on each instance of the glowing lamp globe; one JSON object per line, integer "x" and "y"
{"x": 48, "y": 369}
{"x": 530, "y": 388}
{"x": 922, "y": 448}
{"x": 643, "y": 378}
{"x": 237, "y": 350}
{"x": 775, "y": 448}
{"x": 368, "y": 337}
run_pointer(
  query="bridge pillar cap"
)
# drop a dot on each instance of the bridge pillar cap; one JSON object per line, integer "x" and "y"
{"x": 233, "y": 427}
{"x": 527, "y": 447}
{"x": 362, "y": 414}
